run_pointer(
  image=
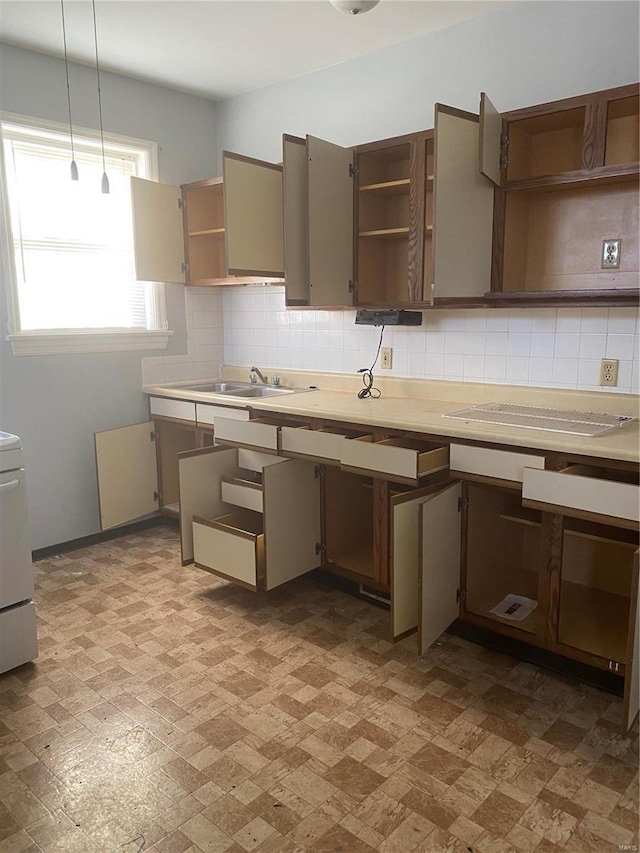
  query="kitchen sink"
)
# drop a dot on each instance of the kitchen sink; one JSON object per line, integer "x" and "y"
{"x": 240, "y": 389}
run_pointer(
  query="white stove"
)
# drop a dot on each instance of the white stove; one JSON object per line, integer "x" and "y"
{"x": 18, "y": 639}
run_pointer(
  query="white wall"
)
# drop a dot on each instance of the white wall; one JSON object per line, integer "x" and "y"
{"x": 56, "y": 403}
{"x": 522, "y": 54}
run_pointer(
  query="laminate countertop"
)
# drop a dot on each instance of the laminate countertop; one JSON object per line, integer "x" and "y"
{"x": 419, "y": 405}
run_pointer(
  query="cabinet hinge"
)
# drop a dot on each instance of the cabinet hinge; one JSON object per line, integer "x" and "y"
{"x": 153, "y": 436}
{"x": 614, "y": 666}
{"x": 320, "y": 548}
{"x": 504, "y": 148}
{"x": 353, "y": 286}
{"x": 182, "y": 204}
{"x": 319, "y": 471}
{"x": 157, "y": 496}
{"x": 461, "y": 595}
{"x": 463, "y": 503}
{"x": 353, "y": 170}
{"x": 184, "y": 267}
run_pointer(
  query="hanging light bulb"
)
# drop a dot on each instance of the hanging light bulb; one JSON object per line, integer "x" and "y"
{"x": 74, "y": 167}
{"x": 105, "y": 179}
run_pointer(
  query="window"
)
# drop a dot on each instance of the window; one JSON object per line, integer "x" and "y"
{"x": 70, "y": 246}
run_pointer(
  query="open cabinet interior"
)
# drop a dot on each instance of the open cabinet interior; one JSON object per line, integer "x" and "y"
{"x": 173, "y": 438}
{"x": 546, "y": 144}
{"x": 553, "y": 238}
{"x": 595, "y": 592}
{"x": 503, "y": 552}
{"x": 349, "y": 521}
{"x": 383, "y": 224}
{"x": 622, "y": 139}
{"x": 205, "y": 232}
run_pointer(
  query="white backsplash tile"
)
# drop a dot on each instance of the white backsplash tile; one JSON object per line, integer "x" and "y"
{"x": 548, "y": 347}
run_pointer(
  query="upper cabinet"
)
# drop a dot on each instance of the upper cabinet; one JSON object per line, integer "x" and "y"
{"x": 566, "y": 213}
{"x": 214, "y": 231}
{"x": 398, "y": 222}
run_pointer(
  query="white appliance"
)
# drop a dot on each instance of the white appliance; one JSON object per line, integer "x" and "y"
{"x": 18, "y": 638}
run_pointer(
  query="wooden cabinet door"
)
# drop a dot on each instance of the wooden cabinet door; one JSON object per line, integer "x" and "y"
{"x": 158, "y": 231}
{"x": 440, "y": 564}
{"x": 330, "y": 182}
{"x": 291, "y": 512}
{"x": 295, "y": 204}
{"x": 463, "y": 209}
{"x": 253, "y": 216}
{"x": 631, "y": 703}
{"x": 490, "y": 150}
{"x": 200, "y": 476}
{"x": 127, "y": 473}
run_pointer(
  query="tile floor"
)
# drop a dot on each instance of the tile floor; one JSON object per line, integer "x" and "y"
{"x": 173, "y": 712}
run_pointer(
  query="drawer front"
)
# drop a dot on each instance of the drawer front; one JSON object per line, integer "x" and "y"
{"x": 581, "y": 493}
{"x": 498, "y": 464}
{"x": 231, "y": 553}
{"x": 247, "y": 433}
{"x": 205, "y": 413}
{"x": 180, "y": 409}
{"x": 393, "y": 461}
{"x": 309, "y": 442}
{"x": 242, "y": 493}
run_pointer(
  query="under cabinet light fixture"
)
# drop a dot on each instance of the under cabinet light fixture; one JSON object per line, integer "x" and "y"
{"x": 74, "y": 167}
{"x": 105, "y": 179}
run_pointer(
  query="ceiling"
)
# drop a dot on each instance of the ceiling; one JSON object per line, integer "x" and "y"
{"x": 221, "y": 48}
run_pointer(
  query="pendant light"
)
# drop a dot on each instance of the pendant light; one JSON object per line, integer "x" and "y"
{"x": 74, "y": 167}
{"x": 105, "y": 179}
{"x": 354, "y": 7}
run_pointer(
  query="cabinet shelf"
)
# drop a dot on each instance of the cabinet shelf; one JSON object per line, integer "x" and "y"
{"x": 207, "y": 232}
{"x": 386, "y": 233}
{"x": 399, "y": 187}
{"x": 594, "y": 620}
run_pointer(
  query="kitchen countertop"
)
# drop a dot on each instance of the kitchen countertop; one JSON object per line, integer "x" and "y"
{"x": 418, "y": 406}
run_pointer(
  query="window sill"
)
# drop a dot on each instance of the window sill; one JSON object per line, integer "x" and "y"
{"x": 57, "y": 343}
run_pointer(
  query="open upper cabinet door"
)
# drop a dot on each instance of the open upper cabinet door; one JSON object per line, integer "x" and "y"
{"x": 440, "y": 532}
{"x": 253, "y": 216}
{"x": 490, "y": 150}
{"x": 127, "y": 473}
{"x": 295, "y": 203}
{"x": 462, "y": 208}
{"x": 158, "y": 231}
{"x": 330, "y": 183}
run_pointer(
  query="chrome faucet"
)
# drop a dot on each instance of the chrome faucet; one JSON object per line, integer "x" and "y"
{"x": 256, "y": 372}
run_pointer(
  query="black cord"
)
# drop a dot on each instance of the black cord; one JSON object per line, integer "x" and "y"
{"x": 369, "y": 389}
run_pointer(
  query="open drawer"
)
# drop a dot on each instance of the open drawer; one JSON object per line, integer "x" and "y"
{"x": 242, "y": 493}
{"x": 584, "y": 491}
{"x": 263, "y": 433}
{"x": 323, "y": 444}
{"x": 403, "y": 460}
{"x": 486, "y": 462}
{"x": 231, "y": 546}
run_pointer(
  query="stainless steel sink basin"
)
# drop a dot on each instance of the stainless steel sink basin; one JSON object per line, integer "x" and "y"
{"x": 263, "y": 391}
{"x": 216, "y": 387}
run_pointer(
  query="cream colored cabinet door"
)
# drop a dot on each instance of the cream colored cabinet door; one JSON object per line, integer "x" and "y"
{"x": 127, "y": 474}
{"x": 158, "y": 231}
{"x": 631, "y": 703}
{"x": 330, "y": 177}
{"x": 440, "y": 530}
{"x": 253, "y": 216}
{"x": 462, "y": 209}
{"x": 490, "y": 150}
{"x": 295, "y": 204}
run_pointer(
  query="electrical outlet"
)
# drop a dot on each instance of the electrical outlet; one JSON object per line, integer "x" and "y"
{"x": 385, "y": 358}
{"x": 610, "y": 255}
{"x": 609, "y": 372}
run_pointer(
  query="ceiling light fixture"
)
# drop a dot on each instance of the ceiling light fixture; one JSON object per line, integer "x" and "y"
{"x": 74, "y": 167}
{"x": 105, "y": 179}
{"x": 354, "y": 7}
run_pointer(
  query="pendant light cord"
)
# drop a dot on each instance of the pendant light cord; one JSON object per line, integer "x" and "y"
{"x": 369, "y": 389}
{"x": 95, "y": 38}
{"x": 66, "y": 69}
